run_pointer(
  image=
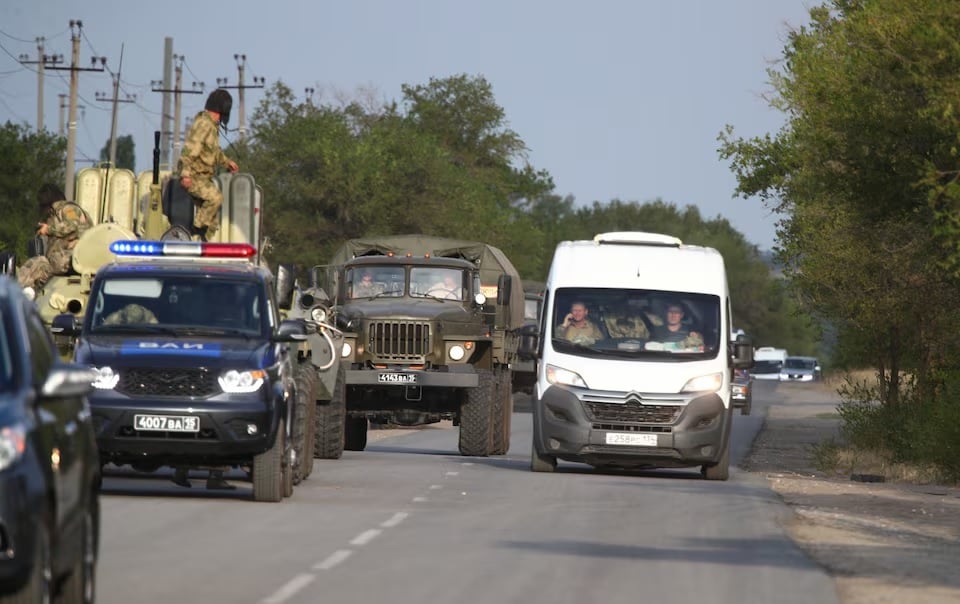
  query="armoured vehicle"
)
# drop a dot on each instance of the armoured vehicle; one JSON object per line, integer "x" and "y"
{"x": 429, "y": 334}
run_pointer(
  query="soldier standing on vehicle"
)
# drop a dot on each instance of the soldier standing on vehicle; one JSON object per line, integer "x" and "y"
{"x": 200, "y": 158}
{"x": 62, "y": 224}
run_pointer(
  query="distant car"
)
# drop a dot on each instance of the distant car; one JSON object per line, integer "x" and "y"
{"x": 766, "y": 370}
{"x": 800, "y": 369}
{"x": 742, "y": 391}
{"x": 49, "y": 466}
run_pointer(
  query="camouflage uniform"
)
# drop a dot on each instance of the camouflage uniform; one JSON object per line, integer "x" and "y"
{"x": 67, "y": 221}
{"x": 587, "y": 334}
{"x": 199, "y": 160}
{"x": 131, "y": 313}
{"x": 627, "y": 327}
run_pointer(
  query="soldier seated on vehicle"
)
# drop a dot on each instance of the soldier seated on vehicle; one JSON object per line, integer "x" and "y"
{"x": 129, "y": 314}
{"x": 366, "y": 287}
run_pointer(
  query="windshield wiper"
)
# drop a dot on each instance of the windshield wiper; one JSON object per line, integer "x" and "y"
{"x": 213, "y": 331}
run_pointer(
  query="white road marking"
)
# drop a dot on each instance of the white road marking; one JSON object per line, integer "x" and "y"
{"x": 333, "y": 559}
{"x": 419, "y": 499}
{"x": 394, "y": 520}
{"x": 435, "y": 487}
{"x": 453, "y": 473}
{"x": 292, "y": 587}
{"x": 365, "y": 537}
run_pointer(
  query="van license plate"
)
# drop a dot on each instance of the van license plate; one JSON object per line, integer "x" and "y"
{"x": 397, "y": 378}
{"x": 166, "y": 423}
{"x": 631, "y": 439}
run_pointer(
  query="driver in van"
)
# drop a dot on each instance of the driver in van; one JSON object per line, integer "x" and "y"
{"x": 577, "y": 328}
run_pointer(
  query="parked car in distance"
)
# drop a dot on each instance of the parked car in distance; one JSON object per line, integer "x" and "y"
{"x": 742, "y": 391}
{"x": 49, "y": 466}
{"x": 800, "y": 369}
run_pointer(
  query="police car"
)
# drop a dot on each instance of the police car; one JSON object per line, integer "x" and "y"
{"x": 195, "y": 368}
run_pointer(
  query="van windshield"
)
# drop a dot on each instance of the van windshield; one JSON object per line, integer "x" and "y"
{"x": 633, "y": 322}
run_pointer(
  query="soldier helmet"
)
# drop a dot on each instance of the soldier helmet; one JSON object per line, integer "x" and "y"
{"x": 48, "y": 195}
{"x": 221, "y": 102}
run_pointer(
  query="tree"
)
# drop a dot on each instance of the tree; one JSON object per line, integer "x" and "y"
{"x": 126, "y": 153}
{"x": 30, "y": 159}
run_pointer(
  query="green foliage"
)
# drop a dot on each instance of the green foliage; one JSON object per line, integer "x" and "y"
{"x": 126, "y": 153}
{"x": 29, "y": 160}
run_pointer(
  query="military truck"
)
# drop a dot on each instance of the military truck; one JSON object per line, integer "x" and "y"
{"x": 430, "y": 335}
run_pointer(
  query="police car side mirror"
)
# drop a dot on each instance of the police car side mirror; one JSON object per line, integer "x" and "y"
{"x": 291, "y": 330}
{"x": 65, "y": 324}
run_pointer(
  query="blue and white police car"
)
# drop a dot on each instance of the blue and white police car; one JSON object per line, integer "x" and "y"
{"x": 195, "y": 368}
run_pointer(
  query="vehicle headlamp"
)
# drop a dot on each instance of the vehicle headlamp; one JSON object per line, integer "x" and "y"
{"x": 704, "y": 383}
{"x": 457, "y": 352}
{"x": 319, "y": 315}
{"x": 234, "y": 381}
{"x": 564, "y": 377}
{"x": 13, "y": 442}
{"x": 347, "y": 350}
{"x": 106, "y": 378}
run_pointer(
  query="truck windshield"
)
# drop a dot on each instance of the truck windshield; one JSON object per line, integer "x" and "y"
{"x": 176, "y": 304}
{"x": 375, "y": 281}
{"x": 642, "y": 323}
{"x": 441, "y": 283}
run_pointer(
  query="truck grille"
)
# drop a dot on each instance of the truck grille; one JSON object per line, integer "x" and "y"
{"x": 167, "y": 382}
{"x": 632, "y": 412}
{"x": 399, "y": 340}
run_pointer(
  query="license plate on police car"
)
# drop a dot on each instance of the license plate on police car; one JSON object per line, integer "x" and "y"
{"x": 631, "y": 439}
{"x": 166, "y": 423}
{"x": 397, "y": 378}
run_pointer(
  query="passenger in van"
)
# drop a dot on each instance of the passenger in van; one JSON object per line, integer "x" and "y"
{"x": 623, "y": 324}
{"x": 674, "y": 330}
{"x": 577, "y": 328}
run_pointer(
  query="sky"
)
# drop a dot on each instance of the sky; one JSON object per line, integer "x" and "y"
{"x": 615, "y": 99}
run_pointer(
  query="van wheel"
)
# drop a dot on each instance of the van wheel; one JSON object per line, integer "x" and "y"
{"x": 475, "y": 416}
{"x": 330, "y": 425}
{"x": 268, "y": 469}
{"x": 719, "y": 470}
{"x": 355, "y": 434}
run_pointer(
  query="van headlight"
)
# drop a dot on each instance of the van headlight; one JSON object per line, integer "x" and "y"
{"x": 106, "y": 378}
{"x": 234, "y": 381}
{"x": 564, "y": 377}
{"x": 704, "y": 383}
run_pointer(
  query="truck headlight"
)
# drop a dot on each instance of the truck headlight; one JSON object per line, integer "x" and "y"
{"x": 106, "y": 378}
{"x": 347, "y": 350}
{"x": 457, "y": 352}
{"x": 319, "y": 315}
{"x": 234, "y": 381}
{"x": 704, "y": 383}
{"x": 564, "y": 377}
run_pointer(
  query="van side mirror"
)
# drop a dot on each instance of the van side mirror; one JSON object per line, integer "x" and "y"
{"x": 284, "y": 286}
{"x": 742, "y": 353}
{"x": 529, "y": 343}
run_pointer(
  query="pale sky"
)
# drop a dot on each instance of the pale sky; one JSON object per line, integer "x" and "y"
{"x": 616, "y": 99}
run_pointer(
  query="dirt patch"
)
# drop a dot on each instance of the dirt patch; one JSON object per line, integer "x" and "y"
{"x": 883, "y": 542}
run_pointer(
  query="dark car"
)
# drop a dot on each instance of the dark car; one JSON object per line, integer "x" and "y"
{"x": 195, "y": 368}
{"x": 49, "y": 466}
{"x": 741, "y": 391}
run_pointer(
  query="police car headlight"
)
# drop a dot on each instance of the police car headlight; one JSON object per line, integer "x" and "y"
{"x": 106, "y": 378}
{"x": 457, "y": 352}
{"x": 564, "y": 377}
{"x": 13, "y": 442}
{"x": 242, "y": 381}
{"x": 704, "y": 383}
{"x": 319, "y": 315}
{"x": 347, "y": 350}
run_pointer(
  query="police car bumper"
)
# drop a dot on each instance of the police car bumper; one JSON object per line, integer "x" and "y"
{"x": 566, "y": 430}
{"x": 226, "y": 429}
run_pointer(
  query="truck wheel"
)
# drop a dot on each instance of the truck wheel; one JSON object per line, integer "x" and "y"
{"x": 719, "y": 470}
{"x": 287, "y": 483}
{"x": 329, "y": 437}
{"x": 355, "y": 434}
{"x": 475, "y": 416}
{"x": 502, "y": 413}
{"x": 304, "y": 417}
{"x": 268, "y": 470}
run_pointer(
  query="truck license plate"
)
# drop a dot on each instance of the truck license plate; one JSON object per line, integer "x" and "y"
{"x": 632, "y": 439}
{"x": 166, "y": 423}
{"x": 397, "y": 378}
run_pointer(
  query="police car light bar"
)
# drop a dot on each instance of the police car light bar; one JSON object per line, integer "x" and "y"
{"x": 194, "y": 249}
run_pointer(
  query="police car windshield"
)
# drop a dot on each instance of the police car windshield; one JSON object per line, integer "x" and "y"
{"x": 179, "y": 305}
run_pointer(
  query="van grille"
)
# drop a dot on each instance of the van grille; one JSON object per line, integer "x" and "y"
{"x": 399, "y": 340}
{"x": 632, "y": 412}
{"x": 167, "y": 382}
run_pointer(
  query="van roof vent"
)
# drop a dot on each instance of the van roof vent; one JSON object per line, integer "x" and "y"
{"x": 637, "y": 238}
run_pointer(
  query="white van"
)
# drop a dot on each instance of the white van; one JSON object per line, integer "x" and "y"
{"x": 648, "y": 385}
{"x": 768, "y": 361}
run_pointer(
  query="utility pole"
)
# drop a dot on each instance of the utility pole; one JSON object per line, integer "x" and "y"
{"x": 177, "y": 90}
{"x": 42, "y": 60}
{"x": 63, "y": 107}
{"x": 116, "y": 100}
{"x": 257, "y": 83}
{"x": 165, "y": 108}
{"x": 75, "y": 27}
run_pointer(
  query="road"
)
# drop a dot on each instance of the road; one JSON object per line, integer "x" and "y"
{"x": 409, "y": 520}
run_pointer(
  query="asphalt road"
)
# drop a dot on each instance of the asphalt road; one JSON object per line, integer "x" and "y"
{"x": 409, "y": 520}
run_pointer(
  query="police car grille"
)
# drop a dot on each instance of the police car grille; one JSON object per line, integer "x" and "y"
{"x": 168, "y": 382}
{"x": 399, "y": 340}
{"x": 632, "y": 412}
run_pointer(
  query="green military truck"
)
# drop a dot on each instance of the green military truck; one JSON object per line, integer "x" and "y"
{"x": 430, "y": 333}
